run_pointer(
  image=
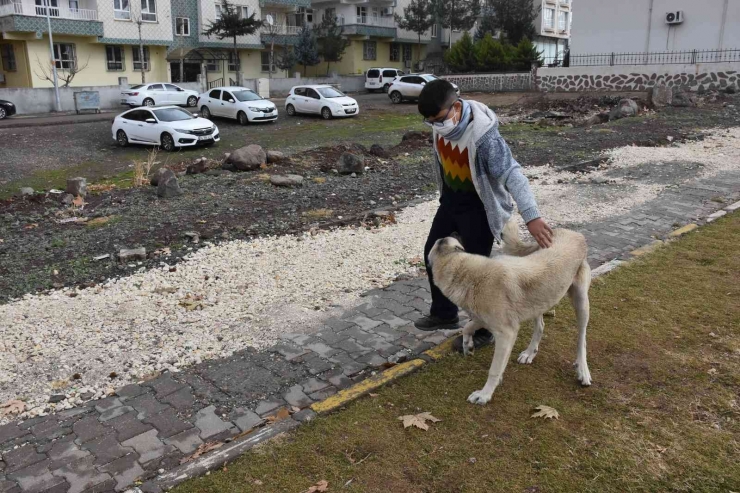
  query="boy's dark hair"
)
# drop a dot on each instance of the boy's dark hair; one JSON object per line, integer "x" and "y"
{"x": 436, "y": 96}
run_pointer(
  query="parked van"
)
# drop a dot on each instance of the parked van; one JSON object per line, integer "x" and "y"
{"x": 379, "y": 79}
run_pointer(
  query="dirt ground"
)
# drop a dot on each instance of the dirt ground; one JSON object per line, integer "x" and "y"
{"x": 41, "y": 248}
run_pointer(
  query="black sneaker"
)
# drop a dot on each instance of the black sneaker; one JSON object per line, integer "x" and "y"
{"x": 482, "y": 337}
{"x": 430, "y": 322}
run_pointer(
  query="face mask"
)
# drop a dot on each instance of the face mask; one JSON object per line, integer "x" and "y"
{"x": 451, "y": 130}
{"x": 448, "y": 126}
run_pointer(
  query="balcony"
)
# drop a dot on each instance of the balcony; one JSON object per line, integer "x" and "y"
{"x": 280, "y": 34}
{"x": 365, "y": 25}
{"x": 29, "y": 17}
{"x": 284, "y": 3}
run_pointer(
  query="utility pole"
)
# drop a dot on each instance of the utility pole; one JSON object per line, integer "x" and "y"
{"x": 57, "y": 102}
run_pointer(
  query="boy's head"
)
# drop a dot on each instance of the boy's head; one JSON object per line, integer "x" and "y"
{"x": 436, "y": 96}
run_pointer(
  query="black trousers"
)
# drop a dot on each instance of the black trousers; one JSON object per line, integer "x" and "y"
{"x": 471, "y": 225}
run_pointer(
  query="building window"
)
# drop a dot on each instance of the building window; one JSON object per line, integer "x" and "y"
{"x": 218, "y": 11}
{"x": 213, "y": 65}
{"x": 266, "y": 62}
{"x": 369, "y": 50}
{"x": 114, "y": 58}
{"x": 7, "y": 55}
{"x": 550, "y": 18}
{"x": 362, "y": 15}
{"x": 149, "y": 10}
{"x": 64, "y": 55}
{"x": 74, "y": 5}
{"x": 121, "y": 9}
{"x": 53, "y": 7}
{"x": 562, "y": 20}
{"x": 395, "y": 52}
{"x": 434, "y": 30}
{"x": 137, "y": 60}
{"x": 243, "y": 12}
{"x": 304, "y": 16}
{"x": 330, "y": 13}
{"x": 406, "y": 52}
{"x": 233, "y": 62}
{"x": 182, "y": 26}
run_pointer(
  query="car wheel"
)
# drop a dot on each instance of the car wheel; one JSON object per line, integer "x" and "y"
{"x": 148, "y": 102}
{"x": 167, "y": 142}
{"x": 192, "y": 101}
{"x": 205, "y": 112}
{"x": 3, "y": 113}
{"x": 242, "y": 118}
{"x": 290, "y": 109}
{"x": 396, "y": 97}
{"x": 386, "y": 87}
{"x": 121, "y": 138}
{"x": 326, "y": 113}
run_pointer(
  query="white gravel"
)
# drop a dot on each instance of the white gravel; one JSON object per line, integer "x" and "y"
{"x": 239, "y": 294}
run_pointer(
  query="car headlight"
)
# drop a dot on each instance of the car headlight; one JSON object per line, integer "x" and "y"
{"x": 182, "y": 131}
{"x": 258, "y": 110}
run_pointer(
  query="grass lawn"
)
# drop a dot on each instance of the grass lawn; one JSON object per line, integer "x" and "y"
{"x": 663, "y": 413}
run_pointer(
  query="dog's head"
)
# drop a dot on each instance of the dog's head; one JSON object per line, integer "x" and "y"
{"x": 443, "y": 247}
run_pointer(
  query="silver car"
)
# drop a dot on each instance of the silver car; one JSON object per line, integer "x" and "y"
{"x": 408, "y": 87}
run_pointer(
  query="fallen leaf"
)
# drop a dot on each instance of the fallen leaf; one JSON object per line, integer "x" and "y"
{"x": 322, "y": 485}
{"x": 418, "y": 420}
{"x": 13, "y": 406}
{"x": 279, "y": 416}
{"x": 78, "y": 201}
{"x": 202, "y": 449}
{"x": 546, "y": 412}
{"x": 31, "y": 226}
{"x": 373, "y": 395}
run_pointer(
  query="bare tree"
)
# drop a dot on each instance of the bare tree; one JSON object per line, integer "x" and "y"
{"x": 65, "y": 74}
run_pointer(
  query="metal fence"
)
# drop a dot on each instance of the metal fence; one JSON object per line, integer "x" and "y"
{"x": 652, "y": 58}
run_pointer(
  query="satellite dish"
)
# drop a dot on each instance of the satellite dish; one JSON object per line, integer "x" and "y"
{"x": 269, "y": 20}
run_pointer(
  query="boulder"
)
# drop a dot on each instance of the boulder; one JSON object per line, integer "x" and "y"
{"x": 287, "y": 180}
{"x": 351, "y": 163}
{"x": 660, "y": 96}
{"x": 248, "y": 158}
{"x": 199, "y": 166}
{"x": 274, "y": 157}
{"x": 26, "y": 191}
{"x": 168, "y": 186}
{"x": 378, "y": 151}
{"x": 228, "y": 166}
{"x": 625, "y": 109}
{"x": 77, "y": 186}
{"x": 128, "y": 254}
{"x": 683, "y": 99}
{"x": 156, "y": 176}
{"x": 730, "y": 90}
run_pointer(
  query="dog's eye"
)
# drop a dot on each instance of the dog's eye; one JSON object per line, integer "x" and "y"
{"x": 459, "y": 248}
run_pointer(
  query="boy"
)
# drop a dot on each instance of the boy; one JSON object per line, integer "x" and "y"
{"x": 477, "y": 177}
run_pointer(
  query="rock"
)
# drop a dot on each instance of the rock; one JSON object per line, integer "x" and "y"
{"x": 417, "y": 135}
{"x": 625, "y": 109}
{"x": 286, "y": 180}
{"x": 683, "y": 100}
{"x": 274, "y": 157}
{"x": 228, "y": 166}
{"x": 67, "y": 199}
{"x": 157, "y": 174}
{"x": 199, "y": 166}
{"x": 167, "y": 185}
{"x": 351, "y": 163}
{"x": 660, "y": 96}
{"x": 77, "y": 186}
{"x": 57, "y": 398}
{"x": 27, "y": 191}
{"x": 378, "y": 151}
{"x": 597, "y": 119}
{"x": 248, "y": 158}
{"x": 193, "y": 236}
{"x": 730, "y": 90}
{"x": 128, "y": 254}
{"x": 399, "y": 357}
{"x": 599, "y": 180}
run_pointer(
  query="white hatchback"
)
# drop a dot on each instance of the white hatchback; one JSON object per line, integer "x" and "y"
{"x": 158, "y": 94}
{"x": 240, "y": 103}
{"x": 408, "y": 87}
{"x": 321, "y": 100}
{"x": 169, "y": 127}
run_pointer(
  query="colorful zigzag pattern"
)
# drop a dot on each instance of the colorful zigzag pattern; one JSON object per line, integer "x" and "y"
{"x": 455, "y": 166}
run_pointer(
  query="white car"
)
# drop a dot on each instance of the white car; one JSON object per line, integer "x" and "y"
{"x": 237, "y": 102}
{"x": 158, "y": 94}
{"x": 408, "y": 87}
{"x": 169, "y": 127}
{"x": 380, "y": 79}
{"x": 321, "y": 100}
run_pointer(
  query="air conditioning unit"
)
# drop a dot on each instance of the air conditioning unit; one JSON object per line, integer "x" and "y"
{"x": 386, "y": 11}
{"x": 674, "y": 17}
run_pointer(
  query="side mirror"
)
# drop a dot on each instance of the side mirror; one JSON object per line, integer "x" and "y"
{"x": 231, "y": 100}
{"x": 151, "y": 120}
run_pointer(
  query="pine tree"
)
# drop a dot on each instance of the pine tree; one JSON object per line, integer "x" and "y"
{"x": 491, "y": 54}
{"x": 487, "y": 25}
{"x": 417, "y": 18}
{"x": 333, "y": 43}
{"x": 286, "y": 60}
{"x": 461, "y": 57}
{"x": 525, "y": 54}
{"x": 232, "y": 25}
{"x": 456, "y": 15}
{"x": 306, "y": 49}
{"x": 515, "y": 18}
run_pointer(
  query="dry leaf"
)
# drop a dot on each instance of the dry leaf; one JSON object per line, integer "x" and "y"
{"x": 13, "y": 406}
{"x": 418, "y": 420}
{"x": 546, "y": 412}
{"x": 279, "y": 416}
{"x": 78, "y": 201}
{"x": 373, "y": 395}
{"x": 31, "y": 226}
{"x": 322, "y": 485}
{"x": 202, "y": 449}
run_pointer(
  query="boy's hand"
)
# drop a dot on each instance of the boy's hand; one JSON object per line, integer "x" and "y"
{"x": 541, "y": 232}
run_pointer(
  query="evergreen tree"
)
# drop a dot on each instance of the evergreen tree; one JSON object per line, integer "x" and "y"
{"x": 456, "y": 15}
{"x": 417, "y": 18}
{"x": 525, "y": 53}
{"x": 232, "y": 25}
{"x": 461, "y": 57}
{"x": 306, "y": 49}
{"x": 333, "y": 43}
{"x": 491, "y": 54}
{"x": 487, "y": 25}
{"x": 515, "y": 18}
{"x": 286, "y": 60}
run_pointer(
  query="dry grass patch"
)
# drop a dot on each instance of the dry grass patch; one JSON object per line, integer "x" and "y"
{"x": 316, "y": 214}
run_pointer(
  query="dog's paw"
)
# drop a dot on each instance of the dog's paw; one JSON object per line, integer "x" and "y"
{"x": 526, "y": 357}
{"x": 584, "y": 376}
{"x": 479, "y": 397}
{"x": 468, "y": 346}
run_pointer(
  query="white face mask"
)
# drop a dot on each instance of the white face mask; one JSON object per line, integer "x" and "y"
{"x": 447, "y": 126}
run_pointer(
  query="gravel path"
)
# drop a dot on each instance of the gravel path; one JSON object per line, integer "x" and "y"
{"x": 224, "y": 298}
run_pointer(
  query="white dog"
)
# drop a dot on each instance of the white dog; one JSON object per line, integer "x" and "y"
{"x": 502, "y": 292}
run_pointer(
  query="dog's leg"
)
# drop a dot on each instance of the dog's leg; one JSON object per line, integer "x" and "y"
{"x": 527, "y": 356}
{"x": 579, "y": 297}
{"x": 504, "y": 344}
{"x": 468, "y": 332}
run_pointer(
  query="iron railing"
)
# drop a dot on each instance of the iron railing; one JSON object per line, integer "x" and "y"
{"x": 652, "y": 58}
{"x": 216, "y": 83}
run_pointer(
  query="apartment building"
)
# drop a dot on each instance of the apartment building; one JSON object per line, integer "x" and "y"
{"x": 553, "y": 29}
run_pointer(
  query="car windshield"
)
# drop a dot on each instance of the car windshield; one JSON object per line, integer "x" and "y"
{"x": 429, "y": 78}
{"x": 246, "y": 96}
{"x": 329, "y": 92}
{"x": 172, "y": 115}
{"x": 137, "y": 86}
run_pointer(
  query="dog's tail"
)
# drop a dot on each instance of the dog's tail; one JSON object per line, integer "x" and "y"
{"x": 513, "y": 245}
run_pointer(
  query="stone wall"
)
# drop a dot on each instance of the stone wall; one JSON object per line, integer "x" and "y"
{"x": 698, "y": 77}
{"x": 492, "y": 82}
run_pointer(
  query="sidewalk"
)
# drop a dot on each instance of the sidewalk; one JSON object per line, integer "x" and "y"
{"x": 64, "y": 118}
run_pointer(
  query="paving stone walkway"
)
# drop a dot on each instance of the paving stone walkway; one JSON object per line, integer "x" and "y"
{"x": 145, "y": 429}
